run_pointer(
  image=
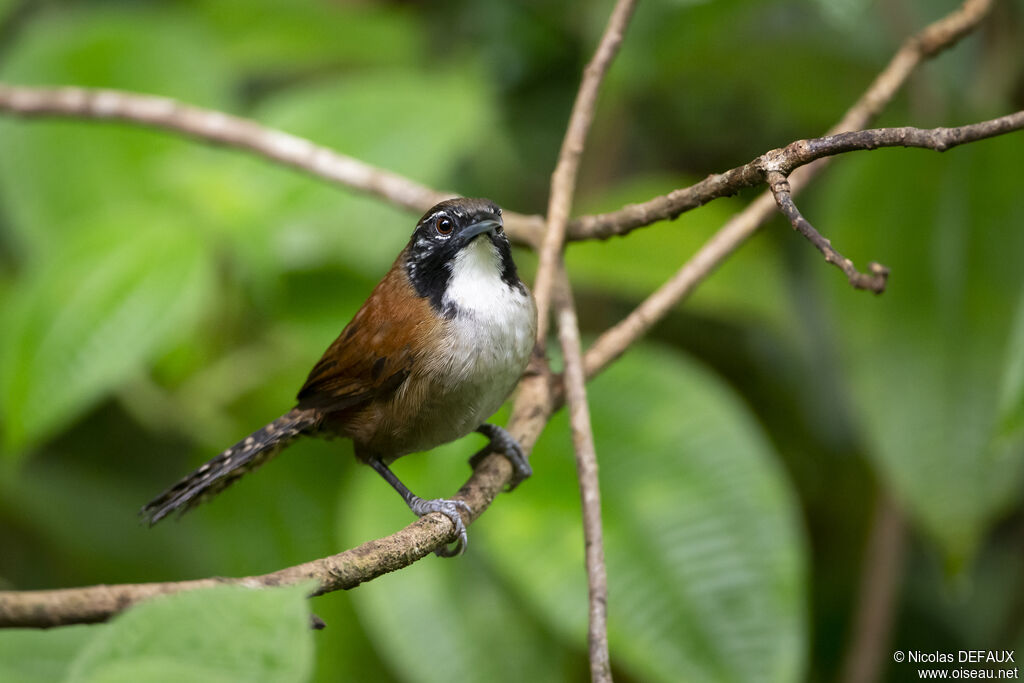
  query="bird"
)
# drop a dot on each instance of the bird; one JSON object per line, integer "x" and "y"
{"x": 438, "y": 346}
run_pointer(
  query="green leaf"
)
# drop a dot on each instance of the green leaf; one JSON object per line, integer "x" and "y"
{"x": 92, "y": 317}
{"x": 705, "y": 556}
{"x": 934, "y": 363}
{"x": 227, "y": 633}
{"x": 57, "y": 177}
{"x": 40, "y": 656}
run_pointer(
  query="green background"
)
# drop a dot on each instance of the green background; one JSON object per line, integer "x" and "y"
{"x": 160, "y": 299}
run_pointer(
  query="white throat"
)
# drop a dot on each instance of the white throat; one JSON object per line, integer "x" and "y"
{"x": 475, "y": 285}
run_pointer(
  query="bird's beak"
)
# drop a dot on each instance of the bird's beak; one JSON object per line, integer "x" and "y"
{"x": 475, "y": 229}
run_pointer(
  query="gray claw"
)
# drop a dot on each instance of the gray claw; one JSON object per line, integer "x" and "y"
{"x": 450, "y": 509}
{"x": 506, "y": 444}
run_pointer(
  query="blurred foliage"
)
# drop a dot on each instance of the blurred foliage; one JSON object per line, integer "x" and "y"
{"x": 227, "y": 633}
{"x": 159, "y": 299}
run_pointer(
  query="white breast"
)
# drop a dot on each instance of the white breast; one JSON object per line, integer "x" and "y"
{"x": 488, "y": 344}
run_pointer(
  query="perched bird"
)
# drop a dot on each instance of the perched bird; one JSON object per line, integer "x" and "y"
{"x": 436, "y": 349}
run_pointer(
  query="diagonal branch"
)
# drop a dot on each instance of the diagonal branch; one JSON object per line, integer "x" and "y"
{"x": 786, "y": 159}
{"x": 929, "y": 42}
{"x": 348, "y": 569}
{"x": 217, "y": 127}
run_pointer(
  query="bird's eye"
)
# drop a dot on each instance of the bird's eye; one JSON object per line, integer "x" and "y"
{"x": 444, "y": 225}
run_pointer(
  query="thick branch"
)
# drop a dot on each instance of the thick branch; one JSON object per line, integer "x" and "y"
{"x": 927, "y": 43}
{"x": 232, "y": 131}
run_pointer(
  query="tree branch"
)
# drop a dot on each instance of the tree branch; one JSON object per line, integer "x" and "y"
{"x": 590, "y": 491}
{"x": 927, "y": 43}
{"x": 874, "y": 282}
{"x": 348, "y": 569}
{"x": 881, "y": 577}
{"x": 551, "y": 274}
{"x": 219, "y": 128}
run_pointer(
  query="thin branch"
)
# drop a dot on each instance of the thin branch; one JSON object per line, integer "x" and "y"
{"x": 290, "y": 150}
{"x": 873, "y": 282}
{"x": 929, "y": 42}
{"x": 551, "y": 274}
{"x": 217, "y": 127}
{"x": 563, "y": 180}
{"x": 590, "y": 493}
{"x": 881, "y": 576}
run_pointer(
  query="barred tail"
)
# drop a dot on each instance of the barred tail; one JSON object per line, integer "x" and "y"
{"x": 222, "y": 471}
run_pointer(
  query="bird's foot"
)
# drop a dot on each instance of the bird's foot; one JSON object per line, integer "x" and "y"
{"x": 506, "y": 444}
{"x": 450, "y": 509}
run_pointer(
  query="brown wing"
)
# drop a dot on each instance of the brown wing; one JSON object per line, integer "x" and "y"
{"x": 376, "y": 351}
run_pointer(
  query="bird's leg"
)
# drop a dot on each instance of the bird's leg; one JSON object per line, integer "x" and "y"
{"x": 506, "y": 444}
{"x": 448, "y": 508}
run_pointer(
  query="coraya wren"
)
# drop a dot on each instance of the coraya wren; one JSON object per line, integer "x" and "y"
{"x": 435, "y": 350}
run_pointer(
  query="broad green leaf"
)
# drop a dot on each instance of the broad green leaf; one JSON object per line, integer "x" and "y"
{"x": 92, "y": 317}
{"x": 40, "y": 656}
{"x": 705, "y": 555}
{"x": 934, "y": 363}
{"x": 228, "y": 633}
{"x": 58, "y": 176}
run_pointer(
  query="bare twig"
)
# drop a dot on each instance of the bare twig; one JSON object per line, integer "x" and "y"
{"x": 935, "y": 38}
{"x": 786, "y": 159}
{"x": 874, "y": 282}
{"x": 590, "y": 494}
{"x": 930, "y": 41}
{"x": 563, "y": 180}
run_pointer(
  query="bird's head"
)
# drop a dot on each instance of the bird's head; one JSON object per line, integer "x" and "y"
{"x": 459, "y": 237}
